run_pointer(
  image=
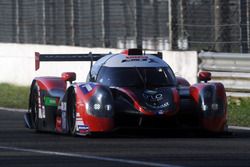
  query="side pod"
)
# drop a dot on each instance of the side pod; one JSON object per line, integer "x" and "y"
{"x": 28, "y": 121}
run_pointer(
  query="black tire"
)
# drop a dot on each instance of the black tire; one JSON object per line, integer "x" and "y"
{"x": 34, "y": 107}
{"x": 71, "y": 113}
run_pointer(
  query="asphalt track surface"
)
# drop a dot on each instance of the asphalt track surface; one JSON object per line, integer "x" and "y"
{"x": 21, "y": 147}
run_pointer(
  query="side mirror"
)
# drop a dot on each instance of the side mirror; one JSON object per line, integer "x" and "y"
{"x": 204, "y": 76}
{"x": 69, "y": 76}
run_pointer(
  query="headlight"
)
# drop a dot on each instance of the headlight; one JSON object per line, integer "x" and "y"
{"x": 215, "y": 106}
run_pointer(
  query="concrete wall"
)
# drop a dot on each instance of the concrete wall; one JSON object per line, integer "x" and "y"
{"x": 17, "y": 63}
{"x": 183, "y": 63}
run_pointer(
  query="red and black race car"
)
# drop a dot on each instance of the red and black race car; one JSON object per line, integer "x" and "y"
{"x": 130, "y": 89}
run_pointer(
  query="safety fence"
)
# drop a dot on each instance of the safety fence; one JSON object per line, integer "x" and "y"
{"x": 221, "y": 25}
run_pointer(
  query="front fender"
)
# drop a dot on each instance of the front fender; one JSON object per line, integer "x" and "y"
{"x": 55, "y": 86}
{"x": 95, "y": 104}
{"x": 211, "y": 103}
{"x": 49, "y": 90}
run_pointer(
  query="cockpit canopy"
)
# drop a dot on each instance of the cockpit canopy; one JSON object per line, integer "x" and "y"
{"x": 146, "y": 77}
{"x": 132, "y": 70}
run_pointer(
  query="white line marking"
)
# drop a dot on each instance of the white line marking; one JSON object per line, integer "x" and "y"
{"x": 133, "y": 162}
{"x": 239, "y": 128}
{"x": 13, "y": 109}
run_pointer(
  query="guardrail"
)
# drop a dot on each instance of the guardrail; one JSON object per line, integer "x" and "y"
{"x": 232, "y": 69}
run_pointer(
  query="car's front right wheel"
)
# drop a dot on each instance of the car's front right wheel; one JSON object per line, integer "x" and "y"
{"x": 34, "y": 105}
{"x": 71, "y": 113}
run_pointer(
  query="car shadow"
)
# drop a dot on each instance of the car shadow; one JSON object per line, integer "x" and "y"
{"x": 135, "y": 133}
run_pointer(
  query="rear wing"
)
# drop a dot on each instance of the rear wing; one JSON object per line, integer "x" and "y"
{"x": 84, "y": 57}
{"x": 65, "y": 57}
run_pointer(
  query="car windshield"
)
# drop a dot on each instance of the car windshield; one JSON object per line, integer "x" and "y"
{"x": 136, "y": 76}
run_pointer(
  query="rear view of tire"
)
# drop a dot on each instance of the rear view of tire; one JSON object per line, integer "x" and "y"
{"x": 71, "y": 113}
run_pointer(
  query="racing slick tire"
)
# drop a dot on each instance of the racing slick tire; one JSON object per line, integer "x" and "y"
{"x": 71, "y": 113}
{"x": 34, "y": 106}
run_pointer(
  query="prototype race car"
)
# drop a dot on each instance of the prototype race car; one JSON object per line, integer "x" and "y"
{"x": 131, "y": 89}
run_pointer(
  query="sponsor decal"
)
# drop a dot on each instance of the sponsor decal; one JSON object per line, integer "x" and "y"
{"x": 130, "y": 60}
{"x": 39, "y": 102}
{"x": 152, "y": 61}
{"x": 164, "y": 105}
{"x": 78, "y": 119}
{"x": 155, "y": 100}
{"x": 63, "y": 106}
{"x": 135, "y": 58}
{"x": 43, "y": 111}
{"x": 50, "y": 101}
{"x": 215, "y": 107}
{"x": 63, "y": 116}
{"x": 78, "y": 114}
{"x": 160, "y": 112}
{"x": 138, "y": 58}
{"x": 97, "y": 106}
{"x": 40, "y": 113}
{"x": 64, "y": 122}
{"x": 86, "y": 88}
{"x": 83, "y": 128}
{"x": 152, "y": 96}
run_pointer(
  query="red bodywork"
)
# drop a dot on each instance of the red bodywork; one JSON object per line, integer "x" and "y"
{"x": 48, "y": 83}
{"x": 95, "y": 124}
{"x": 209, "y": 100}
{"x": 216, "y": 121}
{"x": 102, "y": 124}
{"x": 182, "y": 81}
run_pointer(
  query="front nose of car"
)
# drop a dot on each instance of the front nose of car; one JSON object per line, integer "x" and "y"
{"x": 161, "y": 101}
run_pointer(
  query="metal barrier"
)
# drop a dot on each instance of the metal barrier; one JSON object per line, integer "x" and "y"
{"x": 232, "y": 69}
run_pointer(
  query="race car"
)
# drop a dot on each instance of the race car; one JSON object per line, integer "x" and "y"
{"x": 131, "y": 89}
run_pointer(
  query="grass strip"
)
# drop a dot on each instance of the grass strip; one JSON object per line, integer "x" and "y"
{"x": 239, "y": 111}
{"x": 13, "y": 96}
